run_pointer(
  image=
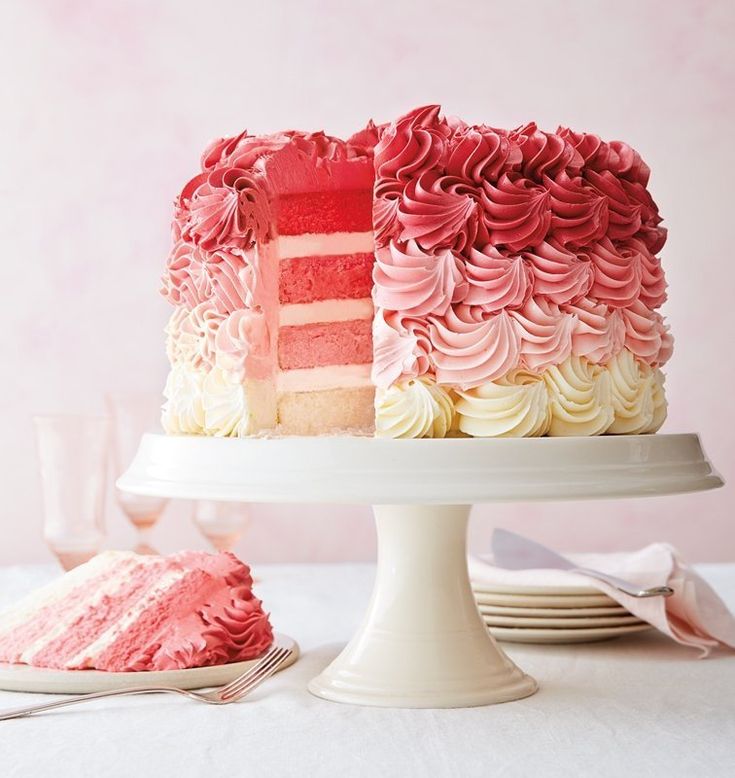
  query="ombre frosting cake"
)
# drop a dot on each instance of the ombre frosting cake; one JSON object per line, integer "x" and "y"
{"x": 424, "y": 278}
{"x": 125, "y": 612}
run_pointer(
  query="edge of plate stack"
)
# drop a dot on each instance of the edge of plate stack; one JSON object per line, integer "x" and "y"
{"x": 540, "y": 614}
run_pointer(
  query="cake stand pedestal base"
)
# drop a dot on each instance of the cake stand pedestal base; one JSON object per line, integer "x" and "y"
{"x": 422, "y": 643}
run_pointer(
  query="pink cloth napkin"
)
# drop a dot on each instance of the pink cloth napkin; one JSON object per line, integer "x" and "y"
{"x": 693, "y": 616}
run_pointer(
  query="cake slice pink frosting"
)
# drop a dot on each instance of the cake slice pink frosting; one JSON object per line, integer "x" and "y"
{"x": 122, "y": 612}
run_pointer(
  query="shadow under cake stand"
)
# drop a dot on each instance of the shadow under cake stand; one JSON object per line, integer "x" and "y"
{"x": 422, "y": 642}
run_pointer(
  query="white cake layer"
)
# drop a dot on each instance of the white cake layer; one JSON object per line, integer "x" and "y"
{"x": 327, "y": 244}
{"x": 297, "y": 314}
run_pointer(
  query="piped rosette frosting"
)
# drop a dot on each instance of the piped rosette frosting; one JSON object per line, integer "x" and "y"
{"x": 516, "y": 279}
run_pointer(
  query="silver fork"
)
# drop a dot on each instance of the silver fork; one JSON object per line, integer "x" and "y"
{"x": 231, "y": 692}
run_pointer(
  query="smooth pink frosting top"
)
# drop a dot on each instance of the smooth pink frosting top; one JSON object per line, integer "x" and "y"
{"x": 510, "y": 248}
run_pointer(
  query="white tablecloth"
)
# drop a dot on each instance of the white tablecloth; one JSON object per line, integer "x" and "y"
{"x": 638, "y": 706}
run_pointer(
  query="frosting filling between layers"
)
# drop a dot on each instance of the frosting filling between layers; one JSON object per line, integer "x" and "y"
{"x": 314, "y": 379}
{"x": 296, "y": 314}
{"x": 323, "y": 245}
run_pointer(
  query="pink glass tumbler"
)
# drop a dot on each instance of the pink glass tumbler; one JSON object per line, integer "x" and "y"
{"x": 132, "y": 415}
{"x": 72, "y": 453}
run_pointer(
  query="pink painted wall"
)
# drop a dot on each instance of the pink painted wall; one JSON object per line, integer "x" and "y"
{"x": 106, "y": 107}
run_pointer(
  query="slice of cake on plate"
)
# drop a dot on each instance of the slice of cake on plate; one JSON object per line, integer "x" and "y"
{"x": 124, "y": 612}
{"x": 424, "y": 278}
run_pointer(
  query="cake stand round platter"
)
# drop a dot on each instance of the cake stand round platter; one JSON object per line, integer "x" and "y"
{"x": 422, "y": 642}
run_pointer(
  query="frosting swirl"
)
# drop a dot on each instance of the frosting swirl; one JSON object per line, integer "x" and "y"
{"x": 627, "y": 163}
{"x": 415, "y": 408}
{"x": 653, "y": 280}
{"x": 224, "y": 404}
{"x": 385, "y": 211}
{"x": 517, "y": 212}
{"x": 241, "y": 345}
{"x": 196, "y": 334}
{"x": 468, "y": 353}
{"x": 413, "y": 144}
{"x": 597, "y": 154}
{"x": 183, "y": 413}
{"x": 659, "y": 402}
{"x": 410, "y": 280}
{"x": 558, "y": 274}
{"x": 644, "y": 333}
{"x": 545, "y": 333}
{"x": 481, "y": 154}
{"x": 599, "y": 331}
{"x": 185, "y": 281}
{"x": 172, "y": 330}
{"x": 233, "y": 277}
{"x": 616, "y": 274}
{"x": 624, "y": 215}
{"x": 545, "y": 153}
{"x": 225, "y": 207}
{"x": 579, "y": 212}
{"x": 632, "y": 394}
{"x": 515, "y": 405}
{"x": 401, "y": 347}
{"x": 436, "y": 214}
{"x": 496, "y": 280}
{"x": 580, "y": 398}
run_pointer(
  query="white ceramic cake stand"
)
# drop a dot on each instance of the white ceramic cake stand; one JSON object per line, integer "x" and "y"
{"x": 422, "y": 642}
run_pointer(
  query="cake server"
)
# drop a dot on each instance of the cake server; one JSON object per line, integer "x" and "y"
{"x": 231, "y": 692}
{"x": 514, "y": 552}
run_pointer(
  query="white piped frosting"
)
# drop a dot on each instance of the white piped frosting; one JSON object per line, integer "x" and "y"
{"x": 632, "y": 394}
{"x": 516, "y": 405}
{"x": 225, "y": 405}
{"x": 183, "y": 413}
{"x": 580, "y": 398}
{"x": 415, "y": 408}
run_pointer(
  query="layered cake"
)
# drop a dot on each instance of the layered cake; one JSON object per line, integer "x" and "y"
{"x": 424, "y": 278}
{"x": 125, "y": 612}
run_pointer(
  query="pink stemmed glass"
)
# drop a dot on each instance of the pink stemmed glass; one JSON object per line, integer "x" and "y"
{"x": 72, "y": 453}
{"x": 133, "y": 414}
{"x": 221, "y": 523}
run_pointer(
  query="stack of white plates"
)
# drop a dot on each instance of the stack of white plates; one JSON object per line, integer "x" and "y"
{"x": 545, "y": 614}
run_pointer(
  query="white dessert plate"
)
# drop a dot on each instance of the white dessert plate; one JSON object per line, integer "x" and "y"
{"x": 567, "y": 613}
{"x": 546, "y": 601}
{"x": 591, "y": 635}
{"x": 533, "y": 589}
{"x": 23, "y": 678}
{"x": 573, "y": 623}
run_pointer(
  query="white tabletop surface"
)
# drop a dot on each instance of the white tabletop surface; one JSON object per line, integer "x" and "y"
{"x": 638, "y": 706}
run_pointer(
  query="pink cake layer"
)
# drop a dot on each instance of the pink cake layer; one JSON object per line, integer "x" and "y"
{"x": 97, "y": 618}
{"x": 325, "y": 212}
{"x": 14, "y": 643}
{"x": 326, "y": 343}
{"x": 342, "y": 276}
